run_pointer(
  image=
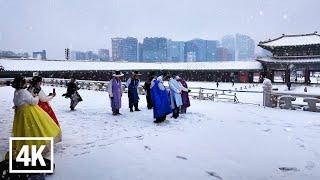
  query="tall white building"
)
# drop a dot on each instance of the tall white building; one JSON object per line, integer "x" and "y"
{"x": 175, "y": 51}
{"x": 241, "y": 47}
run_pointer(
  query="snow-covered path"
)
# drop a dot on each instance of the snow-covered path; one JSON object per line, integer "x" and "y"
{"x": 214, "y": 140}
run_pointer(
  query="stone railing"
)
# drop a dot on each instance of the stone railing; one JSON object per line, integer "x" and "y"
{"x": 285, "y": 100}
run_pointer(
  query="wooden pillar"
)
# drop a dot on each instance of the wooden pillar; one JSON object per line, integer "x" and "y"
{"x": 272, "y": 76}
{"x": 287, "y": 75}
{"x": 307, "y": 76}
{"x": 251, "y": 77}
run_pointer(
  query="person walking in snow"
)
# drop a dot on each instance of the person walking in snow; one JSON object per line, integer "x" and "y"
{"x": 133, "y": 84}
{"x": 175, "y": 96}
{"x": 217, "y": 83}
{"x": 160, "y": 100}
{"x": 146, "y": 87}
{"x": 72, "y": 93}
{"x": 184, "y": 94}
{"x": 289, "y": 85}
{"x": 115, "y": 92}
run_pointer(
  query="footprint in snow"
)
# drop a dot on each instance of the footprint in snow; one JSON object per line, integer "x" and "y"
{"x": 286, "y": 169}
{"x": 211, "y": 173}
{"x": 310, "y": 165}
{"x": 147, "y": 147}
{"x": 287, "y": 129}
{"x": 267, "y": 130}
{"x": 181, "y": 157}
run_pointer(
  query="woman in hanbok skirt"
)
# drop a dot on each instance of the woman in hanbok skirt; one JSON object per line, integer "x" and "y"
{"x": 35, "y": 87}
{"x": 30, "y": 120}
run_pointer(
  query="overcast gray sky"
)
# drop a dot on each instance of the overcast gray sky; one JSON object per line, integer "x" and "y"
{"x": 30, "y": 25}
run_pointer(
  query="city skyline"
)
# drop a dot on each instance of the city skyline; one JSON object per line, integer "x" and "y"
{"x": 161, "y": 49}
{"x": 55, "y": 24}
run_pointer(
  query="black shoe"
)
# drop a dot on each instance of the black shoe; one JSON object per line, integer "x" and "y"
{"x": 118, "y": 113}
{"x": 114, "y": 113}
{"x": 157, "y": 121}
{"x": 137, "y": 109}
{"x": 131, "y": 110}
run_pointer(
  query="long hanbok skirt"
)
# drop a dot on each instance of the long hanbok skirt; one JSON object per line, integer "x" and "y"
{"x": 32, "y": 121}
{"x": 47, "y": 108}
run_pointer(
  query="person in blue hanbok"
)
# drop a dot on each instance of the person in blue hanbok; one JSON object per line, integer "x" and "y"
{"x": 133, "y": 84}
{"x": 160, "y": 100}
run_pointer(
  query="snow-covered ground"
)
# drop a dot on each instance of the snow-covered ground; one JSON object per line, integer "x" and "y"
{"x": 214, "y": 140}
{"x": 54, "y": 65}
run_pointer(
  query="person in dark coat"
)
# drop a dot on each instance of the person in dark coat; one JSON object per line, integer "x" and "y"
{"x": 184, "y": 94}
{"x": 146, "y": 87}
{"x": 72, "y": 93}
{"x": 133, "y": 84}
{"x": 289, "y": 85}
{"x": 160, "y": 100}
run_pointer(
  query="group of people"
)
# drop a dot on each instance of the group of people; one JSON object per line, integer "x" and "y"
{"x": 164, "y": 101}
{"x": 33, "y": 115}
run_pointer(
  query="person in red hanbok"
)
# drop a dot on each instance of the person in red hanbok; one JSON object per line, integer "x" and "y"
{"x": 35, "y": 87}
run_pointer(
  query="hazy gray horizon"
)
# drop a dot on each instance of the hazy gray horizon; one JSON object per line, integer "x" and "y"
{"x": 33, "y": 25}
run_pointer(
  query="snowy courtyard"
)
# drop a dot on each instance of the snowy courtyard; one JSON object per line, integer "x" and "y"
{"x": 214, "y": 140}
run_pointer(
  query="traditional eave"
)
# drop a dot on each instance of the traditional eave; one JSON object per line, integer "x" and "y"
{"x": 291, "y": 40}
{"x": 289, "y": 61}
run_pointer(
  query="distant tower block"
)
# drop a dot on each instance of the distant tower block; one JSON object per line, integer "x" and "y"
{"x": 40, "y": 55}
{"x": 67, "y": 53}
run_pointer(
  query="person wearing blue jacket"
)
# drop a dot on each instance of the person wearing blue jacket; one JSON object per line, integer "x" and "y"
{"x": 133, "y": 84}
{"x": 160, "y": 100}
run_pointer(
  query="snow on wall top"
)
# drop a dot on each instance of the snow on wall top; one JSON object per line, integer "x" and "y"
{"x": 293, "y": 40}
{"x": 305, "y": 60}
{"x": 54, "y": 65}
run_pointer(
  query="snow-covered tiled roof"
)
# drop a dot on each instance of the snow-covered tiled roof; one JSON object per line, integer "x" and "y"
{"x": 272, "y": 60}
{"x": 293, "y": 40}
{"x": 42, "y": 65}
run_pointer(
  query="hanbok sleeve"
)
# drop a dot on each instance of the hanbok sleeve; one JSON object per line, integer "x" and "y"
{"x": 161, "y": 86}
{"x": 128, "y": 82}
{"x": 183, "y": 88}
{"x": 28, "y": 98}
{"x": 110, "y": 88}
{"x": 173, "y": 87}
{"x": 43, "y": 97}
